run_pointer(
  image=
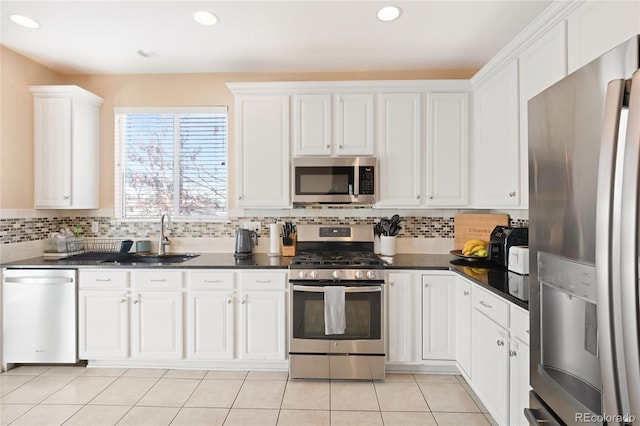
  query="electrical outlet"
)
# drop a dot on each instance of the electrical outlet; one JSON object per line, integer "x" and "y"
{"x": 252, "y": 226}
{"x": 95, "y": 227}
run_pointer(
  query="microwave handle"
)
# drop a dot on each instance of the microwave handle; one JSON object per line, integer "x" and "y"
{"x": 316, "y": 289}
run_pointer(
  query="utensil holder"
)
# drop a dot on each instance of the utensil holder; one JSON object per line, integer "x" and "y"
{"x": 289, "y": 251}
{"x": 387, "y": 245}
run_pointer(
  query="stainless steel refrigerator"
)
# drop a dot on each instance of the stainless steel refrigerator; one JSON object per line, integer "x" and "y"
{"x": 584, "y": 174}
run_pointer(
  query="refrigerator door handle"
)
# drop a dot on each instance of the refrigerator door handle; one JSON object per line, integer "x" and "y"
{"x": 607, "y": 226}
{"x": 629, "y": 291}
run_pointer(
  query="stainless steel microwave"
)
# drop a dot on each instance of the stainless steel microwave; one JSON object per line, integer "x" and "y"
{"x": 336, "y": 180}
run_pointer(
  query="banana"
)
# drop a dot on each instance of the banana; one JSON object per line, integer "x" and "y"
{"x": 467, "y": 248}
{"x": 476, "y": 248}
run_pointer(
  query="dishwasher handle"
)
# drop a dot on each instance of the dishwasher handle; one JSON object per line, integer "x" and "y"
{"x": 39, "y": 280}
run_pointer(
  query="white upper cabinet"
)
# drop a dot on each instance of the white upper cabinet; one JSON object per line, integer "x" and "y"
{"x": 333, "y": 124}
{"x": 447, "y": 163}
{"x": 262, "y": 160}
{"x": 399, "y": 149}
{"x": 354, "y": 124}
{"x": 598, "y": 26}
{"x": 312, "y": 129}
{"x": 66, "y": 140}
{"x": 541, "y": 65}
{"x": 496, "y": 168}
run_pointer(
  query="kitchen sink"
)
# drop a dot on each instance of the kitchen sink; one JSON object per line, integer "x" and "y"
{"x": 161, "y": 258}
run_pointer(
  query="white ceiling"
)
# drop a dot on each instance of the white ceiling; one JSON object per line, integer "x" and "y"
{"x": 102, "y": 37}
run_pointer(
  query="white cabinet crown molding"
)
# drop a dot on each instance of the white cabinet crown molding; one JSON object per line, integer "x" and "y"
{"x": 378, "y": 86}
{"x": 552, "y": 15}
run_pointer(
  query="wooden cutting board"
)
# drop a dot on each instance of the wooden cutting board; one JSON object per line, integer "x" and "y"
{"x": 475, "y": 226}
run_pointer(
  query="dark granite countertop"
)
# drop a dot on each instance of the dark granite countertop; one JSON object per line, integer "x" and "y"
{"x": 508, "y": 285}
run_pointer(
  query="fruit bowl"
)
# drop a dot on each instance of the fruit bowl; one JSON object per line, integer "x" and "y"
{"x": 458, "y": 253}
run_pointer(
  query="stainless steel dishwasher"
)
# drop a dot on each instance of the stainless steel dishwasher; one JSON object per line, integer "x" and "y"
{"x": 39, "y": 316}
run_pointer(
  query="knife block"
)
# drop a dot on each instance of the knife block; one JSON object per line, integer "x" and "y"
{"x": 289, "y": 251}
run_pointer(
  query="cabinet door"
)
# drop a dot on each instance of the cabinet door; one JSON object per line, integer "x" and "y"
{"x": 490, "y": 365}
{"x": 52, "y": 152}
{"x": 463, "y": 325}
{"x": 518, "y": 382}
{"x": 103, "y": 324}
{"x": 261, "y": 325}
{"x": 401, "y": 317}
{"x": 354, "y": 124}
{"x": 496, "y": 167}
{"x": 312, "y": 124}
{"x": 598, "y": 26}
{"x": 210, "y": 325}
{"x": 438, "y": 317}
{"x": 156, "y": 325}
{"x": 262, "y": 132}
{"x": 447, "y": 168}
{"x": 541, "y": 65}
{"x": 399, "y": 149}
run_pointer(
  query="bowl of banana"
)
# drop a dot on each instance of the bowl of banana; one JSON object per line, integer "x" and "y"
{"x": 472, "y": 249}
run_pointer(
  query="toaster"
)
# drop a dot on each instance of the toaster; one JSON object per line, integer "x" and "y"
{"x": 519, "y": 260}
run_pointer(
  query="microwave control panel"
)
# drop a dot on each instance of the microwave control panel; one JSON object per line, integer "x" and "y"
{"x": 367, "y": 180}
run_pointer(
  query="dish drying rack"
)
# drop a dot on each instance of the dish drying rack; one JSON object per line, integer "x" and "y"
{"x": 102, "y": 249}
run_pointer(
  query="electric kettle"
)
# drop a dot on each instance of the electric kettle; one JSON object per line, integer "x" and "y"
{"x": 245, "y": 241}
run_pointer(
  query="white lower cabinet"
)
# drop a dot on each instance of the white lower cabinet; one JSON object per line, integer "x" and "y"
{"x": 261, "y": 325}
{"x": 103, "y": 324}
{"x": 402, "y": 334}
{"x": 156, "y": 325}
{"x": 463, "y": 325}
{"x": 438, "y": 317}
{"x": 236, "y": 315}
{"x": 117, "y": 321}
{"x": 518, "y": 382}
{"x": 490, "y": 365}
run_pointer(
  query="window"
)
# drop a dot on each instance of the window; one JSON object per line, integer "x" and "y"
{"x": 171, "y": 160}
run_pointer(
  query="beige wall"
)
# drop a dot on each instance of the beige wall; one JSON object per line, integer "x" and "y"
{"x": 17, "y": 73}
{"x": 16, "y": 145}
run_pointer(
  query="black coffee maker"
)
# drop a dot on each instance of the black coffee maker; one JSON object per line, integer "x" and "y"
{"x": 502, "y": 238}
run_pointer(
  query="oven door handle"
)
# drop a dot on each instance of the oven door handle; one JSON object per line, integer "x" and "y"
{"x": 315, "y": 289}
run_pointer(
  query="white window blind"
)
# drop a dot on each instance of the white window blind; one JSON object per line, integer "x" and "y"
{"x": 171, "y": 160}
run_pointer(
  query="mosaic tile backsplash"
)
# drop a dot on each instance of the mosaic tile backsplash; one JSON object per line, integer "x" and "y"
{"x": 17, "y": 230}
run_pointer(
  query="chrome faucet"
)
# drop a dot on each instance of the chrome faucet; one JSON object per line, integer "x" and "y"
{"x": 163, "y": 242}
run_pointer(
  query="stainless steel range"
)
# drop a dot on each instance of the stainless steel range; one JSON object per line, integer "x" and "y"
{"x": 337, "y": 304}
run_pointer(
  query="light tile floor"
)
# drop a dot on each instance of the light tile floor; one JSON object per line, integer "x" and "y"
{"x": 48, "y": 396}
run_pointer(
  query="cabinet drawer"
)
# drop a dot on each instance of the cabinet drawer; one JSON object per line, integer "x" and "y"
{"x": 103, "y": 279}
{"x": 210, "y": 280}
{"x": 520, "y": 324}
{"x": 262, "y": 280}
{"x": 490, "y": 305}
{"x": 159, "y": 279}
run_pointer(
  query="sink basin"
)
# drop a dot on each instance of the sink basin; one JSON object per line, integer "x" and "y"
{"x": 161, "y": 258}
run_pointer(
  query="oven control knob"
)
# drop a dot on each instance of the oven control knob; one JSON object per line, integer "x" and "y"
{"x": 313, "y": 275}
{"x": 336, "y": 274}
{"x": 371, "y": 275}
{"x": 359, "y": 275}
{"x": 302, "y": 274}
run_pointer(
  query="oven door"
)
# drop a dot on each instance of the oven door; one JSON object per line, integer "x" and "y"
{"x": 364, "y": 319}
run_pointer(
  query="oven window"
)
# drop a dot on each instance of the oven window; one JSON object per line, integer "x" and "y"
{"x": 324, "y": 180}
{"x": 362, "y": 312}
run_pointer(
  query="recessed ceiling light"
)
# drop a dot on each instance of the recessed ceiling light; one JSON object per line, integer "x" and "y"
{"x": 389, "y": 13}
{"x": 148, "y": 54}
{"x": 25, "y": 21}
{"x": 205, "y": 17}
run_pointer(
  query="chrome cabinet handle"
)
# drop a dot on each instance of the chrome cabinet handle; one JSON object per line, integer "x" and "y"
{"x": 426, "y": 285}
{"x": 512, "y": 353}
{"x": 123, "y": 300}
{"x": 418, "y": 197}
{"x": 66, "y": 197}
{"x": 392, "y": 283}
{"x": 229, "y": 301}
{"x": 263, "y": 281}
{"x": 103, "y": 280}
{"x": 466, "y": 293}
{"x": 340, "y": 147}
{"x": 485, "y": 304}
{"x": 500, "y": 342}
{"x": 512, "y": 194}
{"x": 211, "y": 281}
{"x": 328, "y": 146}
